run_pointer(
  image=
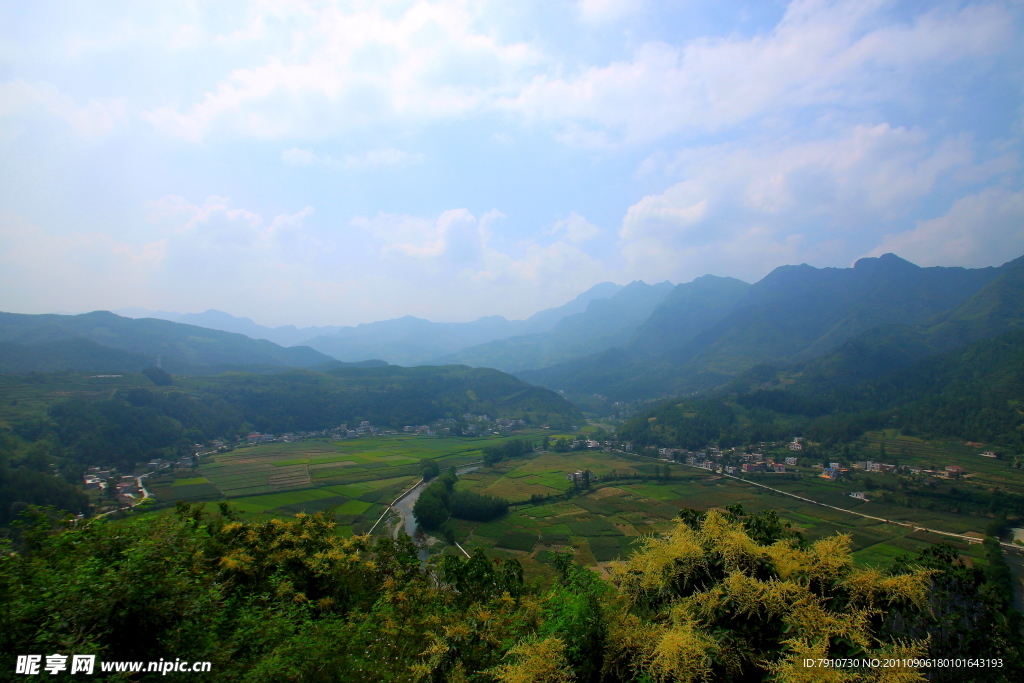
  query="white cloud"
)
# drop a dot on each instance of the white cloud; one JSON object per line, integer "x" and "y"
{"x": 978, "y": 230}
{"x": 343, "y": 69}
{"x": 576, "y": 228}
{"x": 450, "y": 263}
{"x": 20, "y": 100}
{"x": 299, "y": 157}
{"x": 46, "y": 271}
{"x": 821, "y": 54}
{"x": 602, "y": 11}
{"x": 744, "y": 208}
{"x": 212, "y": 254}
{"x": 372, "y": 159}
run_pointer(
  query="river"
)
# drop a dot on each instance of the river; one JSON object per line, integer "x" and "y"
{"x": 404, "y": 509}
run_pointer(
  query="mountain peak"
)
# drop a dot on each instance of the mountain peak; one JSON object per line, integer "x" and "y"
{"x": 887, "y": 261}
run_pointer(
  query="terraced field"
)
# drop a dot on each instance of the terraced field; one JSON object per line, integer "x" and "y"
{"x": 357, "y": 478}
{"x": 606, "y": 523}
{"x": 630, "y": 498}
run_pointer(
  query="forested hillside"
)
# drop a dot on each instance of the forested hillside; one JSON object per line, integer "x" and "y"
{"x": 37, "y": 342}
{"x": 58, "y": 424}
{"x": 605, "y": 323}
{"x": 844, "y": 325}
{"x": 971, "y": 393}
{"x": 725, "y": 596}
{"x": 414, "y": 341}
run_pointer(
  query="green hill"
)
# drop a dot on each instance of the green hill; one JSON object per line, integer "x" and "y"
{"x": 861, "y": 321}
{"x": 47, "y": 340}
{"x": 606, "y": 323}
{"x": 127, "y": 419}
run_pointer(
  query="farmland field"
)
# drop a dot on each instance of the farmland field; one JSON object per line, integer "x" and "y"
{"x": 628, "y": 501}
{"x": 357, "y": 479}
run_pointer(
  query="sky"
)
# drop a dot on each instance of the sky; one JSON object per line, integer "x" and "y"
{"x": 331, "y": 163}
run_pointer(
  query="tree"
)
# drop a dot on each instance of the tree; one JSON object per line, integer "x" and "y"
{"x": 709, "y": 602}
{"x": 429, "y": 468}
{"x": 158, "y": 376}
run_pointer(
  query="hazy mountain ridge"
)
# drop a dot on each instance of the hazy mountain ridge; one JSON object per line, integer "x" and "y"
{"x": 995, "y": 309}
{"x": 793, "y": 315}
{"x": 145, "y": 338}
{"x": 606, "y": 322}
{"x": 402, "y": 341}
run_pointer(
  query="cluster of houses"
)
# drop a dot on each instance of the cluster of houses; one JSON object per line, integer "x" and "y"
{"x": 422, "y": 429}
{"x": 581, "y": 478}
{"x": 184, "y": 463}
{"x": 835, "y": 470}
{"x": 96, "y": 478}
{"x": 581, "y": 444}
{"x": 710, "y": 459}
{"x": 125, "y": 487}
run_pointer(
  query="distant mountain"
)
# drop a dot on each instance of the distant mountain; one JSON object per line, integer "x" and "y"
{"x": 996, "y": 308}
{"x": 402, "y": 341}
{"x": 603, "y": 324}
{"x": 149, "y": 338}
{"x": 69, "y": 354}
{"x": 284, "y": 335}
{"x": 689, "y": 309}
{"x": 992, "y": 310}
{"x": 415, "y": 341}
{"x": 794, "y": 314}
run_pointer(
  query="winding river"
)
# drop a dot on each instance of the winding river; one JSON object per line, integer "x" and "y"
{"x": 404, "y": 506}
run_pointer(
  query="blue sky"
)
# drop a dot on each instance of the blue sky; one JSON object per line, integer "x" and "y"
{"x": 344, "y": 162}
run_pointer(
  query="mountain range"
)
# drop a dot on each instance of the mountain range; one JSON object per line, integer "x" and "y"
{"x": 707, "y": 333}
{"x": 799, "y": 326}
{"x": 104, "y": 341}
{"x": 401, "y": 341}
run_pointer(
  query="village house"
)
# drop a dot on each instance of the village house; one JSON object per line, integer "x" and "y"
{"x": 791, "y": 460}
{"x": 859, "y": 495}
{"x": 830, "y": 474}
{"x": 576, "y": 477}
{"x": 954, "y": 470}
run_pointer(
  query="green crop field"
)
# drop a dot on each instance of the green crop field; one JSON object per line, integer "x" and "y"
{"x": 190, "y": 481}
{"x": 357, "y": 479}
{"x": 628, "y": 501}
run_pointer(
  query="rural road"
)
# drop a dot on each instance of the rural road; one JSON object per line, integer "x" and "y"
{"x": 915, "y": 527}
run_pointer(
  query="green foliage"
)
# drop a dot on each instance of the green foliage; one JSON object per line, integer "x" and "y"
{"x": 510, "y": 449}
{"x": 292, "y": 601}
{"x": 136, "y": 423}
{"x": 575, "y": 611}
{"x": 688, "y": 424}
{"x": 158, "y": 376}
{"x": 429, "y": 468}
{"x": 517, "y": 540}
{"x": 969, "y": 615}
{"x": 476, "y": 507}
{"x": 433, "y": 507}
{"x": 88, "y": 339}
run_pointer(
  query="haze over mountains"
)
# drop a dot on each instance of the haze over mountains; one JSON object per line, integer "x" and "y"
{"x": 799, "y": 325}
{"x": 794, "y": 315}
{"x": 401, "y": 341}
